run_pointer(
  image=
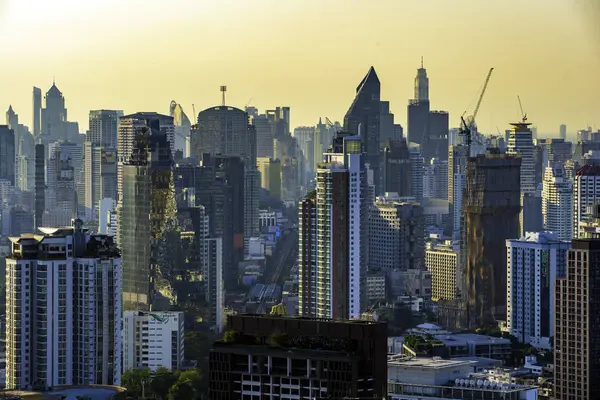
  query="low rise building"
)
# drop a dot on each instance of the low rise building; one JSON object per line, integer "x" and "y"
{"x": 153, "y": 340}
{"x": 376, "y": 287}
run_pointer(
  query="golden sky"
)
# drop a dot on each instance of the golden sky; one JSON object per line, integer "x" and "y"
{"x": 138, "y": 55}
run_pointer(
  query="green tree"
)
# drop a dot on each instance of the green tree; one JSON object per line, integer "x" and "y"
{"x": 136, "y": 381}
{"x": 188, "y": 386}
{"x": 162, "y": 380}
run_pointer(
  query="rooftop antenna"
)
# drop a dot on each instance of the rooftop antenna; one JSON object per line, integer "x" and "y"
{"x": 421, "y": 62}
{"x": 223, "y": 90}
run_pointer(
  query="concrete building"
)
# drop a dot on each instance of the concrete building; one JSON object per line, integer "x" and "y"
{"x": 417, "y": 171}
{"x": 153, "y": 340}
{"x": 586, "y": 192}
{"x": 396, "y": 235}
{"x": 363, "y": 119}
{"x": 103, "y": 128}
{"x": 435, "y": 179}
{"x": 270, "y": 175}
{"x": 534, "y": 263}
{"x": 247, "y": 365}
{"x": 577, "y": 333}
{"x": 52, "y": 275}
{"x": 557, "y": 202}
{"x": 409, "y": 283}
{"x": 562, "y": 132}
{"x": 376, "y": 287}
{"x": 491, "y": 213}
{"x": 441, "y": 260}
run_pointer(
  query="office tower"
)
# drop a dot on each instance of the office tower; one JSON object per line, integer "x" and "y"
{"x": 388, "y": 130}
{"x": 531, "y": 218}
{"x": 305, "y": 135}
{"x": 441, "y": 260}
{"x": 576, "y": 329}
{"x": 417, "y": 170}
{"x": 438, "y": 127}
{"x": 520, "y": 142}
{"x": 363, "y": 118}
{"x": 557, "y": 202}
{"x": 397, "y": 168}
{"x": 146, "y": 217}
{"x": 396, "y": 235}
{"x": 290, "y": 184}
{"x": 491, "y": 206}
{"x": 540, "y": 161}
{"x": 153, "y": 340}
{"x": 107, "y": 217}
{"x": 558, "y": 151}
{"x": 214, "y": 275}
{"x": 12, "y": 119}
{"x": 37, "y": 112}
{"x": 340, "y": 234}
{"x": 183, "y": 127}
{"x": 435, "y": 179}
{"x": 282, "y": 360}
{"x": 586, "y": 192}
{"x": 103, "y": 128}
{"x": 61, "y": 205}
{"x": 270, "y": 175}
{"x": 264, "y": 125}
{"x": 40, "y": 184}
{"x": 457, "y": 165}
{"x": 54, "y": 116}
{"x": 7, "y": 154}
{"x": 100, "y": 178}
{"x": 563, "y": 132}
{"x": 534, "y": 262}
{"x": 418, "y": 109}
{"x": 63, "y": 310}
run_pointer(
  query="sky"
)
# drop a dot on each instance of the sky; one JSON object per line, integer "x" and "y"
{"x": 138, "y": 55}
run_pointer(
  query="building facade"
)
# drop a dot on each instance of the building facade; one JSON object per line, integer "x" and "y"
{"x": 441, "y": 260}
{"x": 557, "y": 202}
{"x": 586, "y": 192}
{"x": 63, "y": 310}
{"x": 534, "y": 263}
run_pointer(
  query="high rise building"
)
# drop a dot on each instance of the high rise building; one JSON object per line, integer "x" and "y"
{"x": 491, "y": 207}
{"x": 388, "y": 130}
{"x": 340, "y": 235}
{"x": 441, "y": 260}
{"x": 103, "y": 128}
{"x": 557, "y": 202}
{"x": 305, "y": 135}
{"x": 264, "y": 125}
{"x": 586, "y": 192}
{"x": 63, "y": 314}
{"x": 7, "y": 154}
{"x": 351, "y": 364}
{"x": 534, "y": 262}
{"x": 576, "y": 328}
{"x": 363, "y": 119}
{"x": 307, "y": 255}
{"x": 520, "y": 142}
{"x": 107, "y": 217}
{"x": 54, "y": 116}
{"x": 563, "y": 132}
{"x": 183, "y": 127}
{"x": 100, "y": 177}
{"x": 435, "y": 179}
{"x": 270, "y": 176}
{"x": 558, "y": 151}
{"x": 457, "y": 165}
{"x": 417, "y": 171}
{"x": 37, "y": 112}
{"x": 438, "y": 127}
{"x": 40, "y": 184}
{"x": 153, "y": 340}
{"x": 396, "y": 235}
{"x": 146, "y": 217}
{"x": 418, "y": 109}
{"x": 397, "y": 168}
{"x": 61, "y": 205}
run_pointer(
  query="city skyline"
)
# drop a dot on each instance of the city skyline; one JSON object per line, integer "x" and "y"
{"x": 559, "y": 52}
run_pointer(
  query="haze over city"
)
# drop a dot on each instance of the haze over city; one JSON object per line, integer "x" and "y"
{"x": 140, "y": 55}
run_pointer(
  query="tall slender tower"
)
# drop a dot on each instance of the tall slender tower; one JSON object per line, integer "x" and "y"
{"x": 421, "y": 84}
{"x": 557, "y": 202}
{"x": 37, "y": 111}
{"x": 418, "y": 109}
{"x": 40, "y": 184}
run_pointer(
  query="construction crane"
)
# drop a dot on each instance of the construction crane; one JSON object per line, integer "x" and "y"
{"x": 523, "y": 114}
{"x": 467, "y": 128}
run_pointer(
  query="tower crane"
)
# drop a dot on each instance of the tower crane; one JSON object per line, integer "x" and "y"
{"x": 523, "y": 114}
{"x": 466, "y": 128}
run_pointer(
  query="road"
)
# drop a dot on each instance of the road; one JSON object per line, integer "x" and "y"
{"x": 280, "y": 264}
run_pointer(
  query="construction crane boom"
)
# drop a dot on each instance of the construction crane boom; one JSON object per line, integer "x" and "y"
{"x": 524, "y": 115}
{"x": 485, "y": 85}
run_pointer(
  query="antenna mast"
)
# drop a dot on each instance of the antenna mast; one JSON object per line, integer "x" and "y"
{"x": 223, "y": 90}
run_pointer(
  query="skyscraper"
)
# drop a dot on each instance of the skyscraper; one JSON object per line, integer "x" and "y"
{"x": 491, "y": 207}
{"x": 438, "y": 127}
{"x": 103, "y": 128}
{"x": 417, "y": 171}
{"x": 586, "y": 192}
{"x": 53, "y": 337}
{"x": 307, "y": 255}
{"x": 457, "y": 166}
{"x": 577, "y": 332}
{"x": 340, "y": 235}
{"x": 418, "y": 109}
{"x": 182, "y": 127}
{"x": 562, "y": 132}
{"x": 54, "y": 115}
{"x": 7, "y": 154}
{"x": 100, "y": 177}
{"x": 534, "y": 262}
{"x": 520, "y": 142}
{"x": 40, "y": 184}
{"x": 435, "y": 179}
{"x": 388, "y": 130}
{"x": 146, "y": 217}
{"x": 397, "y": 168}
{"x": 37, "y": 112}
{"x": 557, "y": 202}
{"x": 363, "y": 118}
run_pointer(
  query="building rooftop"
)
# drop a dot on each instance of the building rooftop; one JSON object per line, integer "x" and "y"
{"x": 589, "y": 170}
{"x": 94, "y": 392}
{"x": 426, "y": 362}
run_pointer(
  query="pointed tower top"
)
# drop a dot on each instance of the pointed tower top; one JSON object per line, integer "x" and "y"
{"x": 10, "y": 109}
{"x": 421, "y": 62}
{"x": 320, "y": 121}
{"x": 370, "y": 78}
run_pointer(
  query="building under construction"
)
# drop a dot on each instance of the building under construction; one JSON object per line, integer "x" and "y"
{"x": 491, "y": 208}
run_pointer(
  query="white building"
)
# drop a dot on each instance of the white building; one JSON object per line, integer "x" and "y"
{"x": 534, "y": 262}
{"x": 63, "y": 310}
{"x": 586, "y": 192}
{"x": 520, "y": 142}
{"x": 153, "y": 340}
{"x": 557, "y": 202}
{"x": 107, "y": 217}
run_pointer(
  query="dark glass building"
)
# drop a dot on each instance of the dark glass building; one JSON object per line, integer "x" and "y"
{"x": 397, "y": 172}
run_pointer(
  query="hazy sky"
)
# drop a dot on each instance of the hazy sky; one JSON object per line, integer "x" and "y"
{"x": 138, "y": 55}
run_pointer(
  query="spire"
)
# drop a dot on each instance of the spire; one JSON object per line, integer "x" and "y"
{"x": 421, "y": 62}
{"x": 10, "y": 110}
